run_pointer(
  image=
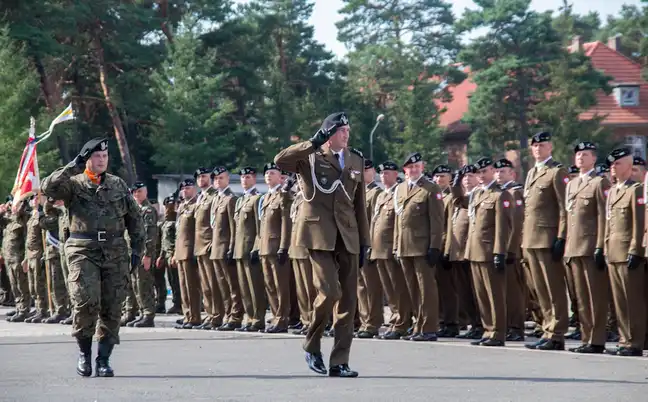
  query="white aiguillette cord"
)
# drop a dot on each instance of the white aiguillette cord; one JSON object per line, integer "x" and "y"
{"x": 334, "y": 186}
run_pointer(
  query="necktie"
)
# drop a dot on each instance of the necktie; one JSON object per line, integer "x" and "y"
{"x": 340, "y": 161}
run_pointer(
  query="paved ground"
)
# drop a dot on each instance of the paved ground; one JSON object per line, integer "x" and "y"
{"x": 37, "y": 363}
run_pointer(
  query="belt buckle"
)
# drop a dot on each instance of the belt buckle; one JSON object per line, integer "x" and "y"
{"x": 101, "y": 236}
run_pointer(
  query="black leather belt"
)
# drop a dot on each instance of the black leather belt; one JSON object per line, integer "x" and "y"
{"x": 100, "y": 235}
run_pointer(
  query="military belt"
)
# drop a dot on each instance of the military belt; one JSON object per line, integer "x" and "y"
{"x": 99, "y": 236}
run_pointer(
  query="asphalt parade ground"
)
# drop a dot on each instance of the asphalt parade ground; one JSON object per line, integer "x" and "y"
{"x": 37, "y": 363}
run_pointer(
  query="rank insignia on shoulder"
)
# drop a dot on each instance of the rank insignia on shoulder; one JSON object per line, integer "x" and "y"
{"x": 355, "y": 151}
{"x": 507, "y": 204}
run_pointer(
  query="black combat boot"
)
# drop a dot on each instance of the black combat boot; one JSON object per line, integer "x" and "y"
{"x": 84, "y": 364}
{"x": 103, "y": 355}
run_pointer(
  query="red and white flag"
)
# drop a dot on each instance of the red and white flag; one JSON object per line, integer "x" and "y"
{"x": 28, "y": 179}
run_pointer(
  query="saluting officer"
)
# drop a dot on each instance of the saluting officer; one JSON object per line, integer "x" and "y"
{"x": 624, "y": 232}
{"x": 370, "y": 292}
{"x": 274, "y": 241}
{"x": 586, "y": 199}
{"x": 543, "y": 241}
{"x": 418, "y": 240}
{"x": 516, "y": 284}
{"x": 489, "y": 238}
{"x": 335, "y": 231}
{"x": 382, "y": 251}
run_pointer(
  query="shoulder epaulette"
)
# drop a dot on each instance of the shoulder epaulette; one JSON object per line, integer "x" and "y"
{"x": 517, "y": 186}
{"x": 355, "y": 151}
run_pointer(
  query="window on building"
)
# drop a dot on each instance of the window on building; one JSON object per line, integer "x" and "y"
{"x": 637, "y": 143}
{"x": 627, "y": 95}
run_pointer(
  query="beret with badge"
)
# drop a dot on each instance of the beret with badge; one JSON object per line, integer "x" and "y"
{"x": 468, "y": 169}
{"x": 638, "y": 161}
{"x": 269, "y": 166}
{"x": 137, "y": 186}
{"x": 573, "y": 170}
{"x": 483, "y": 163}
{"x": 186, "y": 183}
{"x": 201, "y": 171}
{"x": 585, "y": 146}
{"x": 388, "y": 165}
{"x": 442, "y": 169}
{"x": 368, "y": 164}
{"x": 218, "y": 170}
{"x": 617, "y": 154}
{"x": 503, "y": 163}
{"x": 247, "y": 170}
{"x": 602, "y": 168}
{"x": 169, "y": 200}
{"x": 329, "y": 127}
{"x": 413, "y": 158}
{"x": 542, "y": 136}
{"x": 94, "y": 145}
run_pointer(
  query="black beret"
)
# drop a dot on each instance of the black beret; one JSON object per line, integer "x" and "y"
{"x": 169, "y": 200}
{"x": 585, "y": 146}
{"x": 218, "y": 170}
{"x": 270, "y": 166}
{"x": 542, "y": 136}
{"x": 503, "y": 163}
{"x": 602, "y": 168}
{"x": 399, "y": 179}
{"x": 247, "y": 170}
{"x": 573, "y": 170}
{"x": 483, "y": 163}
{"x": 338, "y": 119}
{"x": 186, "y": 183}
{"x": 469, "y": 169}
{"x": 389, "y": 165}
{"x": 368, "y": 164}
{"x": 618, "y": 154}
{"x": 413, "y": 158}
{"x": 94, "y": 145}
{"x": 201, "y": 170}
{"x": 285, "y": 173}
{"x": 638, "y": 161}
{"x": 137, "y": 186}
{"x": 442, "y": 169}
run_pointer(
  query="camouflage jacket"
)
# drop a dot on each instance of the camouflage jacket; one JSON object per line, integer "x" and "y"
{"x": 13, "y": 239}
{"x": 168, "y": 236}
{"x": 150, "y": 218}
{"x": 34, "y": 238}
{"x": 93, "y": 208}
{"x": 53, "y": 235}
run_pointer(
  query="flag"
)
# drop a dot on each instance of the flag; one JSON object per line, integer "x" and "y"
{"x": 28, "y": 179}
{"x": 66, "y": 115}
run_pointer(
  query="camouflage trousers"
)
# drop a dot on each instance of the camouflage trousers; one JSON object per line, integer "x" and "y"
{"x": 98, "y": 274}
{"x": 19, "y": 285}
{"x": 60, "y": 300}
{"x": 6, "y": 297}
{"x": 142, "y": 292}
{"x": 38, "y": 285}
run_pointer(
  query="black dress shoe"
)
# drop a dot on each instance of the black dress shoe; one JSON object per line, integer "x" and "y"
{"x": 589, "y": 349}
{"x": 552, "y": 345}
{"x": 84, "y": 363}
{"x": 492, "y": 342}
{"x": 514, "y": 337}
{"x": 229, "y": 326}
{"x": 205, "y": 325}
{"x": 343, "y": 371}
{"x": 479, "y": 342}
{"x": 575, "y": 335}
{"x": 102, "y": 360}
{"x": 67, "y": 321}
{"x": 366, "y": 335}
{"x": 391, "y": 335}
{"x": 425, "y": 337}
{"x": 276, "y": 330}
{"x": 298, "y": 325}
{"x": 536, "y": 344}
{"x": 476, "y": 333}
{"x": 448, "y": 332}
{"x": 316, "y": 363}
{"x": 629, "y": 352}
{"x": 244, "y": 328}
{"x": 409, "y": 337}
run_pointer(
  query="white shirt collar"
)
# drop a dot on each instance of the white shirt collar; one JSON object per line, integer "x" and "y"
{"x": 413, "y": 182}
{"x": 274, "y": 189}
{"x": 221, "y": 191}
{"x": 489, "y": 185}
{"x": 249, "y": 190}
{"x": 586, "y": 174}
{"x": 507, "y": 183}
{"x": 543, "y": 163}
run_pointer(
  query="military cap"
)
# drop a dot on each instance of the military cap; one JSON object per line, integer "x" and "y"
{"x": 399, "y": 180}
{"x": 186, "y": 183}
{"x": 413, "y": 158}
{"x": 440, "y": 169}
{"x": 469, "y": 169}
{"x": 270, "y": 166}
{"x": 618, "y": 154}
{"x": 368, "y": 164}
{"x": 201, "y": 170}
{"x": 573, "y": 170}
{"x": 389, "y": 165}
{"x": 542, "y": 136}
{"x": 503, "y": 163}
{"x": 602, "y": 168}
{"x": 638, "y": 161}
{"x": 169, "y": 200}
{"x": 585, "y": 146}
{"x": 94, "y": 145}
{"x": 248, "y": 170}
{"x": 483, "y": 163}
{"x": 338, "y": 119}
{"x": 218, "y": 170}
{"x": 137, "y": 186}
{"x": 285, "y": 173}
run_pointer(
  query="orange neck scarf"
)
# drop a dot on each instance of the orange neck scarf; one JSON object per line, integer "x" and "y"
{"x": 94, "y": 178}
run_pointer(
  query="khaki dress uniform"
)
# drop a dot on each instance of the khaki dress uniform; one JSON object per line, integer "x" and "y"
{"x": 586, "y": 201}
{"x": 446, "y": 279}
{"x": 187, "y": 267}
{"x": 545, "y": 221}
{"x": 302, "y": 267}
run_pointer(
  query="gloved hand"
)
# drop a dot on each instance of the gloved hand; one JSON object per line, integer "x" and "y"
{"x": 229, "y": 255}
{"x": 282, "y": 256}
{"x": 135, "y": 260}
{"x": 558, "y": 249}
{"x": 254, "y": 256}
{"x": 634, "y": 261}
{"x": 321, "y": 136}
{"x": 599, "y": 259}
{"x": 510, "y": 258}
{"x": 433, "y": 255}
{"x": 288, "y": 185}
{"x": 445, "y": 262}
{"x": 363, "y": 255}
{"x": 80, "y": 160}
{"x": 500, "y": 262}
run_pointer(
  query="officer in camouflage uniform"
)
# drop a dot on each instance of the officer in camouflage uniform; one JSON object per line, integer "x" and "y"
{"x": 13, "y": 250}
{"x": 6, "y": 297}
{"x": 100, "y": 209}
{"x": 34, "y": 253}
{"x": 167, "y": 248}
{"x": 142, "y": 278}
{"x": 60, "y": 300}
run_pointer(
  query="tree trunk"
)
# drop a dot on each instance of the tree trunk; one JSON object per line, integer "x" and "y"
{"x": 164, "y": 14}
{"x": 116, "y": 120}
